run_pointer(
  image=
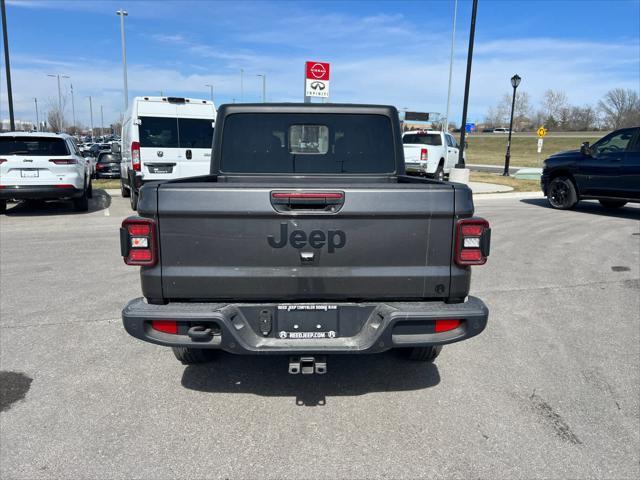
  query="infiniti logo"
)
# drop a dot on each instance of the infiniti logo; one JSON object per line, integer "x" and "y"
{"x": 160, "y": 153}
{"x": 318, "y": 86}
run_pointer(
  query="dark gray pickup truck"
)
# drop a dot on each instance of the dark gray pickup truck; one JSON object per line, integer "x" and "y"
{"x": 306, "y": 239}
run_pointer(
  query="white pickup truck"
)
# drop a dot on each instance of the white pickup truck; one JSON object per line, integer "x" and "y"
{"x": 430, "y": 152}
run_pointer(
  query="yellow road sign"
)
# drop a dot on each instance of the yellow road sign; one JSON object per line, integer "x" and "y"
{"x": 542, "y": 132}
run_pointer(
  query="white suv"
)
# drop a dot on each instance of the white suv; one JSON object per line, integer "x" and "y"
{"x": 43, "y": 166}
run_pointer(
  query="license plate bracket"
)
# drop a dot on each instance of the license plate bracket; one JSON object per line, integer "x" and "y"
{"x": 307, "y": 321}
{"x": 29, "y": 173}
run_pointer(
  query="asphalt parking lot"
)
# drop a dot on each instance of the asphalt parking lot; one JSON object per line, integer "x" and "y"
{"x": 550, "y": 389}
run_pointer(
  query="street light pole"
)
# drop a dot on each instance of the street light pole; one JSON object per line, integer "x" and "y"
{"x": 211, "y": 87}
{"x": 472, "y": 33}
{"x": 60, "y": 113}
{"x": 453, "y": 42}
{"x": 12, "y": 121}
{"x": 515, "y": 81}
{"x": 91, "y": 116}
{"x": 241, "y": 85}
{"x": 264, "y": 87}
{"x": 73, "y": 108}
{"x": 101, "y": 121}
{"x": 37, "y": 116}
{"x": 122, "y": 13}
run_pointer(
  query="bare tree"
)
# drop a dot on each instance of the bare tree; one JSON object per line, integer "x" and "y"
{"x": 521, "y": 109}
{"x": 554, "y": 105}
{"x": 582, "y": 118}
{"x": 620, "y": 108}
{"x": 56, "y": 117}
{"x": 496, "y": 116}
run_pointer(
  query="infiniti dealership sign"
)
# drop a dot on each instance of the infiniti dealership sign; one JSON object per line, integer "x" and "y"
{"x": 316, "y": 83}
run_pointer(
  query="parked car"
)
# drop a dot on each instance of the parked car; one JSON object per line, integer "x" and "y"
{"x": 43, "y": 166}
{"x": 308, "y": 240}
{"x": 608, "y": 170}
{"x": 430, "y": 152}
{"x": 96, "y": 148}
{"x": 165, "y": 138}
{"x": 108, "y": 165}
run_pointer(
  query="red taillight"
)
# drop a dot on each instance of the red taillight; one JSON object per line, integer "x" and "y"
{"x": 446, "y": 325}
{"x": 135, "y": 155}
{"x": 63, "y": 161}
{"x": 2, "y": 160}
{"x": 138, "y": 242}
{"x": 166, "y": 326}
{"x": 473, "y": 237}
{"x": 99, "y": 166}
{"x": 424, "y": 154}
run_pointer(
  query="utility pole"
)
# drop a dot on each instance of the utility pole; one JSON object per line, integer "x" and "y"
{"x": 453, "y": 42}
{"x": 122, "y": 13}
{"x": 12, "y": 120}
{"x": 73, "y": 108}
{"x": 101, "y": 121}
{"x": 60, "y": 112}
{"x": 463, "y": 126}
{"x": 91, "y": 116}
{"x": 241, "y": 85}
{"x": 211, "y": 87}
{"x": 37, "y": 116}
{"x": 264, "y": 87}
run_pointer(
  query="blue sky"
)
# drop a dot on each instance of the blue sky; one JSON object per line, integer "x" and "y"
{"x": 380, "y": 52}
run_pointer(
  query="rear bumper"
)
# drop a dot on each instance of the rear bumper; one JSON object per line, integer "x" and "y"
{"x": 38, "y": 192}
{"x": 417, "y": 167}
{"x": 361, "y": 327}
{"x": 100, "y": 174}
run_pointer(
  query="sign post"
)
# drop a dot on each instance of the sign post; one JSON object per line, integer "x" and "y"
{"x": 316, "y": 80}
{"x": 541, "y": 133}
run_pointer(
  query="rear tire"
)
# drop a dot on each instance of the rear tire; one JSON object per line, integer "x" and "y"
{"x": 192, "y": 356}
{"x": 562, "y": 193}
{"x": 124, "y": 191}
{"x": 425, "y": 354}
{"x": 438, "y": 174}
{"x": 3, "y": 206}
{"x": 134, "y": 200}
{"x": 612, "y": 203}
{"x": 81, "y": 204}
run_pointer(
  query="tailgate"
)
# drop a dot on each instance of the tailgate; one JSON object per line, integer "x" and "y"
{"x": 383, "y": 242}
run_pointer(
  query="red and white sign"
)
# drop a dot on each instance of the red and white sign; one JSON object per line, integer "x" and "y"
{"x": 317, "y": 71}
{"x": 316, "y": 83}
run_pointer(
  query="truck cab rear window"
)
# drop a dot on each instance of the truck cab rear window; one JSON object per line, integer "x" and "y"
{"x": 33, "y": 146}
{"x": 307, "y": 143}
{"x": 422, "y": 138}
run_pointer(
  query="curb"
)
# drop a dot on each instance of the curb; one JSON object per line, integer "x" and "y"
{"x": 494, "y": 196}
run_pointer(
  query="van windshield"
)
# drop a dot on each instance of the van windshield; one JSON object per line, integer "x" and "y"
{"x": 307, "y": 143}
{"x": 166, "y": 132}
{"x": 34, "y": 146}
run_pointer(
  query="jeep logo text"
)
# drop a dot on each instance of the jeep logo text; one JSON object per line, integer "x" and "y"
{"x": 333, "y": 239}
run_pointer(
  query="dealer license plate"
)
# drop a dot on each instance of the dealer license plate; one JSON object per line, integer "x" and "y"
{"x": 307, "y": 321}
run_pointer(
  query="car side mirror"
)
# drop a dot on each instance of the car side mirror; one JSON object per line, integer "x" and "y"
{"x": 115, "y": 147}
{"x": 585, "y": 150}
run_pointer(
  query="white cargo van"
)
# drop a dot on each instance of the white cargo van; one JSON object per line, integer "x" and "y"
{"x": 164, "y": 138}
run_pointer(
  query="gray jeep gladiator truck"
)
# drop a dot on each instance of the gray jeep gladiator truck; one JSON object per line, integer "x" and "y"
{"x": 306, "y": 239}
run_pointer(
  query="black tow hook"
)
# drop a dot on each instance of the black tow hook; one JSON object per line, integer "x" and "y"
{"x": 200, "y": 333}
